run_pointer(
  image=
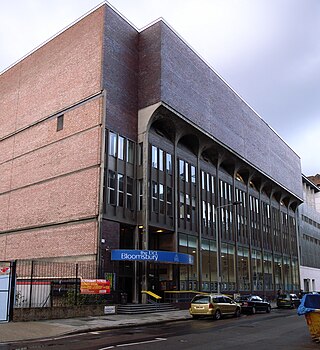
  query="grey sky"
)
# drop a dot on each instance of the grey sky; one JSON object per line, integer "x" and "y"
{"x": 267, "y": 50}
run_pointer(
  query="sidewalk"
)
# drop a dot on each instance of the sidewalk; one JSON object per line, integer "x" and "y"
{"x": 15, "y": 331}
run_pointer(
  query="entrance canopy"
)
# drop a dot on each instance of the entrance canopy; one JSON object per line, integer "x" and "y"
{"x": 156, "y": 256}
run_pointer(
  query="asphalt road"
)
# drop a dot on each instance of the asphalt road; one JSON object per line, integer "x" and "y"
{"x": 281, "y": 329}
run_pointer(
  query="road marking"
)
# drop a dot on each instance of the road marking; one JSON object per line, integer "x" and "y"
{"x": 142, "y": 342}
{"x": 137, "y": 343}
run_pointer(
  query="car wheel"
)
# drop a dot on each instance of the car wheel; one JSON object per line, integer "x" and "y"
{"x": 217, "y": 315}
{"x": 237, "y": 313}
{"x": 253, "y": 310}
{"x": 268, "y": 309}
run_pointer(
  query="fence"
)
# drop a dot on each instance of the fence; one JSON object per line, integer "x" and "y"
{"x": 41, "y": 284}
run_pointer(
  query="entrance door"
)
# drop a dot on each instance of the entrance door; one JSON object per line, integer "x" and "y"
{"x": 5, "y": 290}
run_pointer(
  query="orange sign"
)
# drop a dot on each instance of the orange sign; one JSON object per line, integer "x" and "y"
{"x": 95, "y": 287}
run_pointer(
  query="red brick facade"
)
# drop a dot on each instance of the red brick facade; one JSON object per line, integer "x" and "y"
{"x": 49, "y": 179}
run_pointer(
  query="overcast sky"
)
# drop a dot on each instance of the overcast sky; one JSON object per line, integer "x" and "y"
{"x": 267, "y": 50}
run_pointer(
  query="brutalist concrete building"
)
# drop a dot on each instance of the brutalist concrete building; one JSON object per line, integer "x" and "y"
{"x": 123, "y": 147}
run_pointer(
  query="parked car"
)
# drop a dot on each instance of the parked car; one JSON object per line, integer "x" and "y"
{"x": 253, "y": 303}
{"x": 213, "y": 305}
{"x": 289, "y": 300}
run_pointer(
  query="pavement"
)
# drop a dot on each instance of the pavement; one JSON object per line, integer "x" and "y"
{"x": 18, "y": 331}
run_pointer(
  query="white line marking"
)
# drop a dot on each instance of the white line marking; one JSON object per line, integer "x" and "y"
{"x": 141, "y": 342}
{"x": 108, "y": 347}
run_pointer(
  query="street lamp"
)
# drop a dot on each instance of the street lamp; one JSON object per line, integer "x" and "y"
{"x": 218, "y": 240}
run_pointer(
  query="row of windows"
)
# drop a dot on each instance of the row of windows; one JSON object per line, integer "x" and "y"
{"x": 310, "y": 221}
{"x": 161, "y": 160}
{"x": 121, "y": 148}
{"x": 161, "y": 198}
{"x": 311, "y": 239}
{"x": 120, "y": 190}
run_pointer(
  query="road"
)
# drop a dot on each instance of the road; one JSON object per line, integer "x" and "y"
{"x": 281, "y": 329}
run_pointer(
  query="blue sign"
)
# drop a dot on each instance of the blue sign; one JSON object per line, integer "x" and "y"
{"x": 152, "y": 255}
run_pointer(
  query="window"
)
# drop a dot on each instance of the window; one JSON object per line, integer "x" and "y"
{"x": 130, "y": 152}
{"x": 120, "y": 190}
{"x": 187, "y": 172}
{"x": 204, "y": 213}
{"x": 60, "y": 119}
{"x": 169, "y": 201}
{"x": 154, "y": 197}
{"x": 113, "y": 144}
{"x": 111, "y": 187}
{"x": 169, "y": 163}
{"x": 161, "y": 159}
{"x": 121, "y": 147}
{"x": 129, "y": 192}
{"x": 193, "y": 204}
{"x": 188, "y": 207}
{"x": 193, "y": 174}
{"x": 161, "y": 198}
{"x": 154, "y": 155}
{"x": 208, "y": 182}
{"x": 140, "y": 153}
{"x": 140, "y": 196}
{"x": 181, "y": 169}
{"x": 181, "y": 205}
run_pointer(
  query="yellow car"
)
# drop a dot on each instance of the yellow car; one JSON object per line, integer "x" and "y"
{"x": 213, "y": 305}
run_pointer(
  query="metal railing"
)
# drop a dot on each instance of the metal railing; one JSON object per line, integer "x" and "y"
{"x": 43, "y": 284}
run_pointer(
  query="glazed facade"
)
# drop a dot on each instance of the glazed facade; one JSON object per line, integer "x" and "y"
{"x": 148, "y": 150}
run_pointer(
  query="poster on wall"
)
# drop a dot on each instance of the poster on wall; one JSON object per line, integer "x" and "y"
{"x": 94, "y": 286}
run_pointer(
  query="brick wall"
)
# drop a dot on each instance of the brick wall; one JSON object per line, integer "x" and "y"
{"x": 192, "y": 88}
{"x": 65, "y": 70}
{"x": 49, "y": 179}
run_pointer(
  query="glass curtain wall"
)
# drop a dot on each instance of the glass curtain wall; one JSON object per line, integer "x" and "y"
{"x": 277, "y": 271}
{"x": 209, "y": 265}
{"x": 243, "y": 268}
{"x": 287, "y": 279}
{"x": 268, "y": 271}
{"x": 228, "y": 276}
{"x": 257, "y": 276}
{"x": 189, "y": 273}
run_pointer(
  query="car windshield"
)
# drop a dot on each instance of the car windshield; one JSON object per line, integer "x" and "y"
{"x": 201, "y": 299}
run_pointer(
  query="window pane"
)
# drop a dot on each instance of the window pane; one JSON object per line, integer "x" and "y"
{"x": 140, "y": 153}
{"x": 140, "y": 197}
{"x": 169, "y": 201}
{"x": 181, "y": 205}
{"x": 129, "y": 192}
{"x": 120, "y": 190}
{"x": 181, "y": 169}
{"x": 154, "y": 155}
{"x": 120, "y": 147}
{"x": 154, "y": 196}
{"x": 193, "y": 174}
{"x": 111, "y": 187}
{"x": 161, "y": 159}
{"x": 113, "y": 144}
{"x": 187, "y": 172}
{"x": 161, "y": 198}
{"x": 169, "y": 163}
{"x": 130, "y": 151}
